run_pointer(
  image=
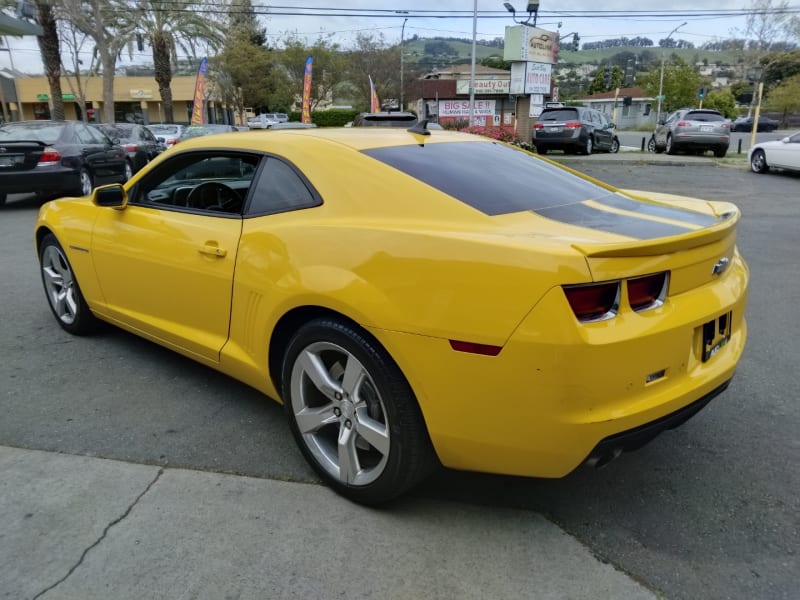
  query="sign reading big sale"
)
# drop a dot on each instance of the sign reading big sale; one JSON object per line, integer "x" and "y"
{"x": 460, "y": 108}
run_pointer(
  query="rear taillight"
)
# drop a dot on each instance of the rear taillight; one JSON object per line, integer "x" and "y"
{"x": 594, "y": 301}
{"x": 572, "y": 125}
{"x": 648, "y": 291}
{"x": 726, "y": 125}
{"x": 50, "y": 157}
{"x": 131, "y": 147}
{"x": 171, "y": 142}
{"x": 682, "y": 124}
{"x": 538, "y": 126}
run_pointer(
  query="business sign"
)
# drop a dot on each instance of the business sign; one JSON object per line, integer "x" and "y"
{"x": 484, "y": 86}
{"x": 530, "y": 44}
{"x": 140, "y": 93}
{"x": 531, "y": 78}
{"x": 460, "y": 108}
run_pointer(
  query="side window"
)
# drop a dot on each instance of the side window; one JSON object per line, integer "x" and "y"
{"x": 596, "y": 120}
{"x": 200, "y": 181}
{"x": 84, "y": 134}
{"x": 280, "y": 188}
{"x": 98, "y": 136}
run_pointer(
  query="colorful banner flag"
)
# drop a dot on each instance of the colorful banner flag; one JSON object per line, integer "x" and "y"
{"x": 374, "y": 103}
{"x": 198, "y": 110}
{"x": 306, "y": 115}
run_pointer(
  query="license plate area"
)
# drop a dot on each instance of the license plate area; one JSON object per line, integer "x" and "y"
{"x": 11, "y": 161}
{"x": 716, "y": 333}
{"x": 706, "y": 128}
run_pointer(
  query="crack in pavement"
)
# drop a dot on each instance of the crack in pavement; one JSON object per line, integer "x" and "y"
{"x": 102, "y": 537}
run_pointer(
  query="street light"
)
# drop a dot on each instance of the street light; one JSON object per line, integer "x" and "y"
{"x": 402, "y": 31}
{"x": 661, "y": 80}
{"x": 533, "y": 12}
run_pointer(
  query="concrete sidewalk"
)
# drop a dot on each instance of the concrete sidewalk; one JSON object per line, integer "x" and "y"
{"x": 75, "y": 527}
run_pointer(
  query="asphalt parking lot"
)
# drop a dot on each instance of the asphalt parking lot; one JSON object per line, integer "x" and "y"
{"x": 710, "y": 510}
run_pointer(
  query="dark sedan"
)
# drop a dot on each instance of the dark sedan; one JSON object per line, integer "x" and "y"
{"x": 57, "y": 157}
{"x": 137, "y": 140}
{"x": 746, "y": 124}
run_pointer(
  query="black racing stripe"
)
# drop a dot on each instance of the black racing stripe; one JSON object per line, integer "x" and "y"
{"x": 582, "y": 215}
{"x": 620, "y": 202}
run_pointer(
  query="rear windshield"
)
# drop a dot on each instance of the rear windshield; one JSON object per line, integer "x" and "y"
{"x": 565, "y": 114}
{"x": 462, "y": 170}
{"x": 117, "y": 131}
{"x": 38, "y": 132}
{"x": 703, "y": 116}
{"x": 164, "y": 129}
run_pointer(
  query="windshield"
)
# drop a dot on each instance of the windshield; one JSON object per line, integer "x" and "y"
{"x": 47, "y": 132}
{"x": 704, "y": 116}
{"x": 559, "y": 115}
{"x": 164, "y": 129}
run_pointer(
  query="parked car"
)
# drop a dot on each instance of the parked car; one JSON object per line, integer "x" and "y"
{"x": 574, "y": 129}
{"x": 292, "y": 125}
{"x": 781, "y": 154}
{"x": 692, "y": 130}
{"x": 193, "y": 131}
{"x": 262, "y": 121}
{"x": 385, "y": 119}
{"x": 168, "y": 133}
{"x": 137, "y": 140}
{"x": 57, "y": 157}
{"x": 522, "y": 324}
{"x": 746, "y": 124}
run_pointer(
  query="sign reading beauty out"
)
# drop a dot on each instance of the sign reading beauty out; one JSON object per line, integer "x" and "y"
{"x": 484, "y": 86}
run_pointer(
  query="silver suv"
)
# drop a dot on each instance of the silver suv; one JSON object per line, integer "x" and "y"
{"x": 692, "y": 130}
{"x": 574, "y": 129}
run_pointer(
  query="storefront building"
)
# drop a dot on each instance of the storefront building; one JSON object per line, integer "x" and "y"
{"x": 136, "y": 100}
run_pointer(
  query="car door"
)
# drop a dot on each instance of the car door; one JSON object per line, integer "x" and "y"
{"x": 602, "y": 132}
{"x": 92, "y": 151}
{"x": 165, "y": 267}
{"x": 786, "y": 154}
{"x": 663, "y": 130}
{"x": 109, "y": 159}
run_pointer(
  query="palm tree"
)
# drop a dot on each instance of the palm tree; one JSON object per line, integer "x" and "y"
{"x": 169, "y": 29}
{"x": 51, "y": 55}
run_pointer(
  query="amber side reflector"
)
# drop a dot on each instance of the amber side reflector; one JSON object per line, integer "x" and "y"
{"x": 594, "y": 301}
{"x": 474, "y": 348}
{"x": 647, "y": 292}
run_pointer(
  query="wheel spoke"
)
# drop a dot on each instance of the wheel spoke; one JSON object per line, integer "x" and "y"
{"x": 313, "y": 366}
{"x": 374, "y": 432}
{"x": 53, "y": 278}
{"x": 348, "y": 458}
{"x": 310, "y": 420}
{"x": 69, "y": 301}
{"x": 353, "y": 376}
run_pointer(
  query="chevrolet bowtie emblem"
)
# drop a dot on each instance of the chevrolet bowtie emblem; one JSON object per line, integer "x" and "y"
{"x": 719, "y": 268}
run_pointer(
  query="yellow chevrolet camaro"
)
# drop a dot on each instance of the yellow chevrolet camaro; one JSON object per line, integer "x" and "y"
{"x": 413, "y": 298}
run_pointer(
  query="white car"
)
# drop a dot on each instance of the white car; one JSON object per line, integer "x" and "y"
{"x": 167, "y": 133}
{"x": 781, "y": 154}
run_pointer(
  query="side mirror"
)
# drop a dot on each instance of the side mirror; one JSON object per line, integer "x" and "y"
{"x": 786, "y": 140}
{"x": 662, "y": 121}
{"x": 112, "y": 195}
{"x": 612, "y": 125}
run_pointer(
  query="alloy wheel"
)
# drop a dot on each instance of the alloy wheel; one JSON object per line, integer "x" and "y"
{"x": 59, "y": 285}
{"x": 340, "y": 414}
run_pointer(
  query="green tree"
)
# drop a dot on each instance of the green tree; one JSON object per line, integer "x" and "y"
{"x": 723, "y": 101}
{"x": 785, "y": 98}
{"x": 680, "y": 84}
{"x": 329, "y": 67}
{"x": 372, "y": 57}
{"x": 169, "y": 28}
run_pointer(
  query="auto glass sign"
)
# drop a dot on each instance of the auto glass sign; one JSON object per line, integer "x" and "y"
{"x": 530, "y": 44}
{"x": 460, "y": 108}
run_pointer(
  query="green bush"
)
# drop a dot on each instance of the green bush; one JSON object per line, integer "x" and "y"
{"x": 328, "y": 118}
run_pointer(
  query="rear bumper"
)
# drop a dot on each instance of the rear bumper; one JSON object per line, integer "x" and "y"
{"x": 707, "y": 141}
{"x": 633, "y": 439}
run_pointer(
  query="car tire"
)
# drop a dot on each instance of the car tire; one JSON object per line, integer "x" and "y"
{"x": 62, "y": 290}
{"x": 352, "y": 412}
{"x": 588, "y": 146}
{"x": 541, "y": 150}
{"x": 85, "y": 182}
{"x": 3, "y": 198}
{"x": 670, "y": 146}
{"x": 128, "y": 171}
{"x": 758, "y": 162}
{"x": 651, "y": 144}
{"x": 614, "y": 146}
{"x": 721, "y": 151}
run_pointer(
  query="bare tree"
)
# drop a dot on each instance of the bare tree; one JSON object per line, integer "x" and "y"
{"x": 102, "y": 21}
{"x": 75, "y": 41}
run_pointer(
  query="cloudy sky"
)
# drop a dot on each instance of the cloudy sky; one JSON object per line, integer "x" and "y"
{"x": 705, "y": 21}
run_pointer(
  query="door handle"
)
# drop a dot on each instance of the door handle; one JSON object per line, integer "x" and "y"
{"x": 211, "y": 249}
